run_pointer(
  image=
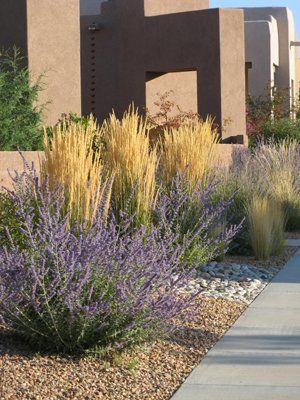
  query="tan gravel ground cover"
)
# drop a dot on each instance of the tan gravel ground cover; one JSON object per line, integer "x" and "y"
{"x": 150, "y": 373}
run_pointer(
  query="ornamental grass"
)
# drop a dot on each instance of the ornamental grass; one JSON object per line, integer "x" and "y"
{"x": 279, "y": 164}
{"x": 189, "y": 149}
{"x": 71, "y": 161}
{"x": 133, "y": 163}
{"x": 266, "y": 227}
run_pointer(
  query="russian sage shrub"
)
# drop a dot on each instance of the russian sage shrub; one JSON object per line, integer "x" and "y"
{"x": 197, "y": 218}
{"x": 73, "y": 289}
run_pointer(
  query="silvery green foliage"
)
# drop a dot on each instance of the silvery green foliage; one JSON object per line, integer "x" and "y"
{"x": 73, "y": 289}
{"x": 196, "y": 217}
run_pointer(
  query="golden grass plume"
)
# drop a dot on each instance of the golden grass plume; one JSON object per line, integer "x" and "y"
{"x": 130, "y": 158}
{"x": 189, "y": 149}
{"x": 71, "y": 161}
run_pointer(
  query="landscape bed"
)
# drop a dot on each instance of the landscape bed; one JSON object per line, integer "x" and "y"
{"x": 124, "y": 259}
{"x": 151, "y": 372}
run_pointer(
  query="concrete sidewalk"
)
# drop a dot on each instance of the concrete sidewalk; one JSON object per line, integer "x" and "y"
{"x": 259, "y": 357}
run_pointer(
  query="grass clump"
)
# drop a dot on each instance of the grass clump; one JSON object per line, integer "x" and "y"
{"x": 71, "y": 161}
{"x": 189, "y": 149}
{"x": 128, "y": 157}
{"x": 279, "y": 165}
{"x": 266, "y": 227}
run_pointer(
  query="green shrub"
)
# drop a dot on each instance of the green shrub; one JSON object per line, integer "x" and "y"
{"x": 20, "y": 116}
{"x": 281, "y": 129}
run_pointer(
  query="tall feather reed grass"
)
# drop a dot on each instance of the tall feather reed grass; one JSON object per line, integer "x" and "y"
{"x": 71, "y": 161}
{"x": 190, "y": 150}
{"x": 266, "y": 226}
{"x": 130, "y": 158}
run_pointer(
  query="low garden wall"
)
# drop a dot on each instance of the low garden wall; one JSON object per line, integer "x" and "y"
{"x": 12, "y": 161}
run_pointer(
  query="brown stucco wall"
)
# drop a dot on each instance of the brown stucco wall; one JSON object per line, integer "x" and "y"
{"x": 48, "y": 32}
{"x": 130, "y": 45}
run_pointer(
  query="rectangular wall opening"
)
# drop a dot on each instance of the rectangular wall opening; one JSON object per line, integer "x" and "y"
{"x": 181, "y": 85}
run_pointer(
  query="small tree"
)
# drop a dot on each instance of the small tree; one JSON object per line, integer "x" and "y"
{"x": 20, "y": 116}
{"x": 169, "y": 115}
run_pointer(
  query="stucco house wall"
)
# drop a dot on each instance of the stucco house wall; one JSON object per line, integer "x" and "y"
{"x": 262, "y": 51}
{"x": 90, "y": 7}
{"x": 297, "y": 63}
{"x": 48, "y": 34}
{"x": 286, "y": 77}
{"x": 140, "y": 45}
{"x": 11, "y": 161}
{"x": 151, "y": 7}
{"x": 133, "y": 43}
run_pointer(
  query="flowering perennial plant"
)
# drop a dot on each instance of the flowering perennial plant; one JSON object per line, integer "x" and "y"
{"x": 197, "y": 218}
{"x": 77, "y": 288}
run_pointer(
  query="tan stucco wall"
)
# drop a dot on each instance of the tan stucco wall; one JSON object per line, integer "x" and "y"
{"x": 54, "y": 48}
{"x": 286, "y": 33}
{"x": 12, "y": 161}
{"x": 224, "y": 154}
{"x": 90, "y": 7}
{"x": 159, "y": 7}
{"x": 232, "y": 61}
{"x": 183, "y": 88}
{"x": 13, "y": 24}
{"x": 151, "y": 7}
{"x": 262, "y": 50}
{"x": 297, "y": 75}
{"x": 48, "y": 34}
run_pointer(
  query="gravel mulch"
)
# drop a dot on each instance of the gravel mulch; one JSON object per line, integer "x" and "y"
{"x": 150, "y": 373}
{"x": 238, "y": 278}
{"x": 274, "y": 261}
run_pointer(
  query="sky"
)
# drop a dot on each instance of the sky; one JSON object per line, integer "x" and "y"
{"x": 294, "y": 5}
